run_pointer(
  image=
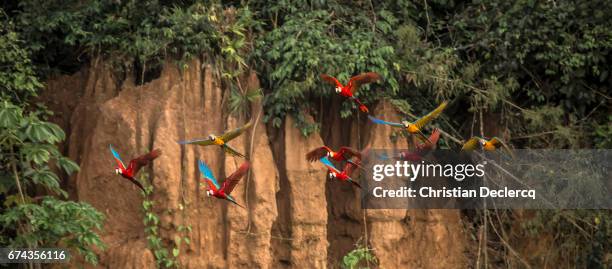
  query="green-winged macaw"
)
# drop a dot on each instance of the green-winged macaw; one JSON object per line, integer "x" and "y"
{"x": 222, "y": 192}
{"x": 134, "y": 166}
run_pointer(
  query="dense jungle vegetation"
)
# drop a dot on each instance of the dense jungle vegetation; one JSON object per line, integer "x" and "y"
{"x": 539, "y": 69}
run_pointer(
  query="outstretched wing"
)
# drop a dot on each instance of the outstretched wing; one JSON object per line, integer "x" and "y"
{"x": 379, "y": 121}
{"x": 331, "y": 80}
{"x": 329, "y": 165}
{"x": 432, "y": 115}
{"x": 317, "y": 153}
{"x": 348, "y": 153}
{"x": 228, "y": 149}
{"x": 500, "y": 143}
{"x": 471, "y": 144}
{"x": 350, "y": 166}
{"x": 231, "y": 181}
{"x": 236, "y": 132}
{"x": 433, "y": 141}
{"x": 361, "y": 79}
{"x": 208, "y": 175}
{"x": 117, "y": 158}
{"x": 201, "y": 142}
{"x": 144, "y": 160}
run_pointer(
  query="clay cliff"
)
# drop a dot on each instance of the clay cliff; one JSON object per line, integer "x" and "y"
{"x": 295, "y": 218}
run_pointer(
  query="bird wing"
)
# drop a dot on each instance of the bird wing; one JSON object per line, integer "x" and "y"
{"x": 379, "y": 121}
{"x": 331, "y": 80}
{"x": 498, "y": 142}
{"x": 348, "y": 153}
{"x": 433, "y": 141}
{"x": 361, "y": 79}
{"x": 201, "y": 142}
{"x": 117, "y": 158}
{"x": 143, "y": 160}
{"x": 228, "y": 149}
{"x": 317, "y": 153}
{"x": 236, "y": 132}
{"x": 432, "y": 115}
{"x": 208, "y": 175}
{"x": 471, "y": 144}
{"x": 350, "y": 166}
{"x": 329, "y": 165}
{"x": 231, "y": 181}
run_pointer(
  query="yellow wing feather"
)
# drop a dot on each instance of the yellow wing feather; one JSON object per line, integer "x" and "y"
{"x": 432, "y": 115}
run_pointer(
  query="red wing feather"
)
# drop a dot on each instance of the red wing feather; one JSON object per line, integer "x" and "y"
{"x": 143, "y": 160}
{"x": 317, "y": 153}
{"x": 348, "y": 153}
{"x": 349, "y": 167}
{"x": 361, "y": 79}
{"x": 231, "y": 181}
{"x": 331, "y": 80}
{"x": 433, "y": 138}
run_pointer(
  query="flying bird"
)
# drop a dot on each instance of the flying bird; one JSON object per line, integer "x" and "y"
{"x": 414, "y": 128}
{"x": 222, "y": 140}
{"x": 488, "y": 145}
{"x": 344, "y": 154}
{"x": 134, "y": 166}
{"x": 352, "y": 86}
{"x": 345, "y": 174}
{"x": 421, "y": 149}
{"x": 222, "y": 192}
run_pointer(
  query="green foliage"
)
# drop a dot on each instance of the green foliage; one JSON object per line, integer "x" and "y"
{"x": 29, "y": 163}
{"x": 357, "y": 257}
{"x": 166, "y": 255}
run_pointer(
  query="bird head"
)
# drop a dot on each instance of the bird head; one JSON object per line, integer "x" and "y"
{"x": 338, "y": 89}
{"x": 117, "y": 171}
{"x": 330, "y": 154}
{"x": 482, "y": 141}
{"x": 208, "y": 192}
{"x": 332, "y": 174}
{"x": 406, "y": 123}
{"x": 212, "y": 137}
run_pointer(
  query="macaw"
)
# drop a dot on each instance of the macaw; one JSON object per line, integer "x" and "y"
{"x": 222, "y": 140}
{"x": 352, "y": 86}
{"x": 421, "y": 149}
{"x": 345, "y": 174}
{"x": 134, "y": 165}
{"x": 222, "y": 192}
{"x": 488, "y": 145}
{"x": 415, "y": 128}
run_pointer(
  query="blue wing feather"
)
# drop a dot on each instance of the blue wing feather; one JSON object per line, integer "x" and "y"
{"x": 327, "y": 163}
{"x": 206, "y": 173}
{"x": 116, "y": 155}
{"x": 379, "y": 121}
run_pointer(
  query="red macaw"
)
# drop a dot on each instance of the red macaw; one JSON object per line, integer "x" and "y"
{"x": 352, "y": 86}
{"x": 421, "y": 149}
{"x": 222, "y": 192}
{"x": 345, "y": 174}
{"x": 134, "y": 165}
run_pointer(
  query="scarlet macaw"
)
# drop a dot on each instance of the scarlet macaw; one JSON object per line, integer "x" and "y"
{"x": 222, "y": 140}
{"x": 352, "y": 86}
{"x": 489, "y": 145}
{"x": 344, "y": 154}
{"x": 134, "y": 165}
{"x": 229, "y": 183}
{"x": 345, "y": 174}
{"x": 415, "y": 128}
